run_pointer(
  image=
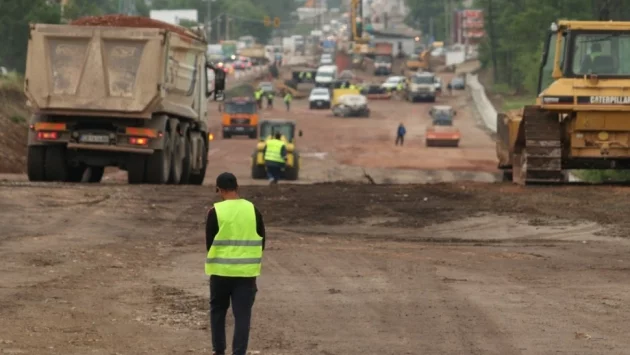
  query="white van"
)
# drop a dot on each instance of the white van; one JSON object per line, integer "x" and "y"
{"x": 325, "y": 76}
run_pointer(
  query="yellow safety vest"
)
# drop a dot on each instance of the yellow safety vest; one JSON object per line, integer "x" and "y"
{"x": 287, "y": 98}
{"x": 274, "y": 151}
{"x": 258, "y": 94}
{"x": 237, "y": 248}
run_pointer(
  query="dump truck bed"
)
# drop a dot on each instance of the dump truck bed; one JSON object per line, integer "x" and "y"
{"x": 108, "y": 70}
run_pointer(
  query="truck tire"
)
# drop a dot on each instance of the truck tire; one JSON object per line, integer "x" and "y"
{"x": 75, "y": 173}
{"x": 36, "y": 160}
{"x": 226, "y": 135}
{"x": 197, "y": 178}
{"x": 136, "y": 169}
{"x": 293, "y": 173}
{"x": 95, "y": 174}
{"x": 159, "y": 163}
{"x": 258, "y": 171}
{"x": 177, "y": 160}
{"x": 253, "y": 135}
{"x": 56, "y": 168}
{"x": 187, "y": 162}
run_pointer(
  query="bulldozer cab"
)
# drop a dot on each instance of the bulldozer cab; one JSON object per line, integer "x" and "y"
{"x": 286, "y": 128}
{"x": 580, "y": 49}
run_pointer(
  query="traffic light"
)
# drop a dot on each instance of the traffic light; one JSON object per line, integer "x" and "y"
{"x": 267, "y": 21}
{"x": 276, "y": 22}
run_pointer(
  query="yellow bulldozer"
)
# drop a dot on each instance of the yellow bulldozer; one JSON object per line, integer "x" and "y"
{"x": 581, "y": 118}
{"x": 268, "y": 128}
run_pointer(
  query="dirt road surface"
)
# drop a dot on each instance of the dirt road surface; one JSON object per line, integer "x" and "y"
{"x": 461, "y": 268}
{"x": 341, "y": 149}
{"x": 350, "y": 269}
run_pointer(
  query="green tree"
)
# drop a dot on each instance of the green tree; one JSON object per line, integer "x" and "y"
{"x": 516, "y": 31}
{"x": 15, "y": 16}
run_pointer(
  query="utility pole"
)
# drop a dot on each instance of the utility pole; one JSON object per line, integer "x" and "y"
{"x": 219, "y": 28}
{"x": 209, "y": 20}
{"x": 227, "y": 27}
{"x": 446, "y": 21}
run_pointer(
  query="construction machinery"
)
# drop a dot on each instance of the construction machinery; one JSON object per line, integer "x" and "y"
{"x": 119, "y": 91}
{"x": 580, "y": 118}
{"x": 256, "y": 53}
{"x": 268, "y": 129}
{"x": 383, "y": 58}
{"x": 442, "y": 132}
{"x": 240, "y": 117}
{"x": 350, "y": 105}
{"x": 422, "y": 87}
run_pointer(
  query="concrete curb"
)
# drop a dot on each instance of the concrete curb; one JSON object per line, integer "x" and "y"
{"x": 483, "y": 105}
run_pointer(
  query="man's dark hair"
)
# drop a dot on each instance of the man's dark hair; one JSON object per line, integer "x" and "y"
{"x": 278, "y": 135}
{"x": 227, "y": 181}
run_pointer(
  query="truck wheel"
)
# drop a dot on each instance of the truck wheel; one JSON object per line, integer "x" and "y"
{"x": 197, "y": 178}
{"x": 293, "y": 173}
{"x": 55, "y": 163}
{"x": 177, "y": 159}
{"x": 75, "y": 173}
{"x": 159, "y": 163}
{"x": 253, "y": 135}
{"x": 136, "y": 169}
{"x": 226, "y": 135}
{"x": 95, "y": 174}
{"x": 258, "y": 171}
{"x": 36, "y": 162}
{"x": 186, "y": 163}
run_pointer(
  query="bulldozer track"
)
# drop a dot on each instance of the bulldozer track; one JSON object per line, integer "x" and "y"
{"x": 541, "y": 160}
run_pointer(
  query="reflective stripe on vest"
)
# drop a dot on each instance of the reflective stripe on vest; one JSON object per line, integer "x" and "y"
{"x": 274, "y": 150}
{"x": 237, "y": 248}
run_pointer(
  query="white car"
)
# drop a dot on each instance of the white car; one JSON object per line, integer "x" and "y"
{"x": 392, "y": 82}
{"x": 319, "y": 99}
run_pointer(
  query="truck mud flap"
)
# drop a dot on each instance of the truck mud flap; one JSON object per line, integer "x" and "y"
{"x": 540, "y": 161}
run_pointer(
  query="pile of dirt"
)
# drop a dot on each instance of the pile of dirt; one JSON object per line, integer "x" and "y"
{"x": 117, "y": 20}
{"x": 13, "y": 129}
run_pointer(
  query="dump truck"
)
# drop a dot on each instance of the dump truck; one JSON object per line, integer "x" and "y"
{"x": 383, "y": 58}
{"x": 118, "y": 91}
{"x": 580, "y": 118}
{"x": 256, "y": 53}
{"x": 287, "y": 129}
{"x": 240, "y": 117}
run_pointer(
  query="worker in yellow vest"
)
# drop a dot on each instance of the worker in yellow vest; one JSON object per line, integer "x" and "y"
{"x": 235, "y": 240}
{"x": 275, "y": 155}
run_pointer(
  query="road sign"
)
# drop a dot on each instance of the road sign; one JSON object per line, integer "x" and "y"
{"x": 267, "y": 21}
{"x": 276, "y": 22}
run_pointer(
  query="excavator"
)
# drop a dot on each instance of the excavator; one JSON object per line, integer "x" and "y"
{"x": 360, "y": 40}
{"x": 581, "y": 116}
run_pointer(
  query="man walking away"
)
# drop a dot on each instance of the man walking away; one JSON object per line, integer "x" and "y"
{"x": 275, "y": 155}
{"x": 400, "y": 135}
{"x": 235, "y": 240}
{"x": 258, "y": 95}
{"x": 287, "y": 100}
{"x": 270, "y": 97}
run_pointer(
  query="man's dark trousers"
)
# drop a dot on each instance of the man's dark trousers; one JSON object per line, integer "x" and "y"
{"x": 400, "y": 138}
{"x": 242, "y": 292}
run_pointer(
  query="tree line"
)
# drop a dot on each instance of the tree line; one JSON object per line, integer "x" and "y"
{"x": 516, "y": 30}
{"x": 245, "y": 18}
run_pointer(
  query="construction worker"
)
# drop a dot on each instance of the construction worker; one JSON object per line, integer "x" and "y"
{"x": 258, "y": 95}
{"x": 588, "y": 61}
{"x": 275, "y": 155}
{"x": 270, "y": 96}
{"x": 400, "y": 134}
{"x": 287, "y": 100}
{"x": 235, "y": 240}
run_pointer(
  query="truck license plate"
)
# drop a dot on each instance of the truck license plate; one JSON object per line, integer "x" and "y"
{"x": 94, "y": 138}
